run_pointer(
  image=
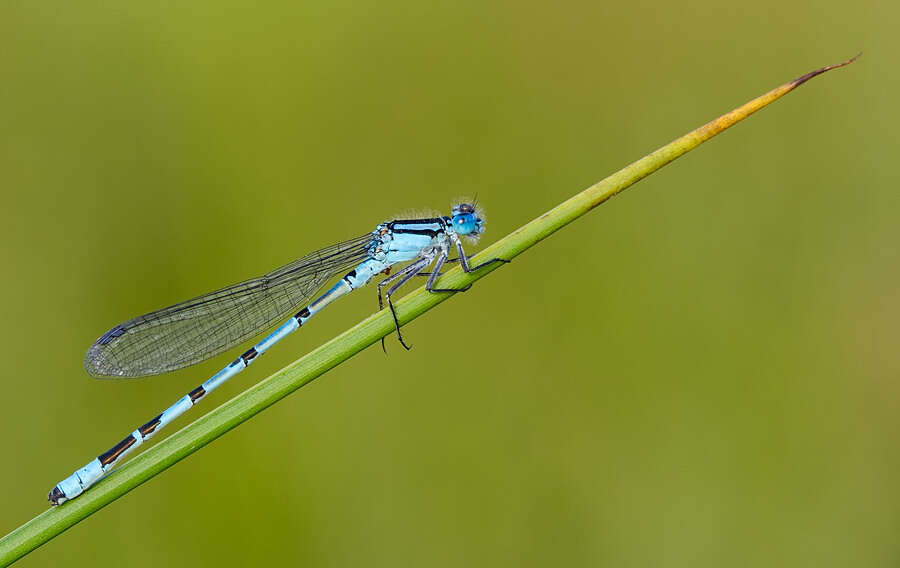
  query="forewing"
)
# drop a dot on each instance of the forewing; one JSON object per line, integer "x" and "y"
{"x": 203, "y": 327}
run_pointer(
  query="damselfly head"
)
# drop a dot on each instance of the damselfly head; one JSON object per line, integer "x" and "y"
{"x": 466, "y": 222}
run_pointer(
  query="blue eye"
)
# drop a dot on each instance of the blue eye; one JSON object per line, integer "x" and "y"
{"x": 464, "y": 223}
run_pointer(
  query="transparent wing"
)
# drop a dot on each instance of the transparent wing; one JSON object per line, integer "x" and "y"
{"x": 205, "y": 326}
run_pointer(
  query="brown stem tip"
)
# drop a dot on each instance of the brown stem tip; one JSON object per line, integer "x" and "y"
{"x": 800, "y": 80}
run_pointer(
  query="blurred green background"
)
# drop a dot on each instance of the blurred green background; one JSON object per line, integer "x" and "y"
{"x": 702, "y": 372}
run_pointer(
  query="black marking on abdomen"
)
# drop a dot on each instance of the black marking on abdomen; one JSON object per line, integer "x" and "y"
{"x": 107, "y": 337}
{"x": 304, "y": 313}
{"x": 56, "y": 496}
{"x": 113, "y": 453}
{"x": 197, "y": 394}
{"x": 250, "y": 355}
{"x": 150, "y": 427}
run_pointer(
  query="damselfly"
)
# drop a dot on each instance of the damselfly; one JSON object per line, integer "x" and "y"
{"x": 197, "y": 329}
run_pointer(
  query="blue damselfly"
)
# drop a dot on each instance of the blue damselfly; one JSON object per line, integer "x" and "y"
{"x": 197, "y": 329}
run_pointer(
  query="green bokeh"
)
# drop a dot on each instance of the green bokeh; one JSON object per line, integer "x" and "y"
{"x": 702, "y": 372}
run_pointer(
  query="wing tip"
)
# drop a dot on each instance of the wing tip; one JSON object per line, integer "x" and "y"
{"x": 96, "y": 361}
{"x": 95, "y": 365}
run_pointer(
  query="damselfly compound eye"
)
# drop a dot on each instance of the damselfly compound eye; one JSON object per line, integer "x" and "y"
{"x": 464, "y": 223}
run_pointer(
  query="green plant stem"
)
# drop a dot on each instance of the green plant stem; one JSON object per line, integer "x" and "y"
{"x": 209, "y": 427}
